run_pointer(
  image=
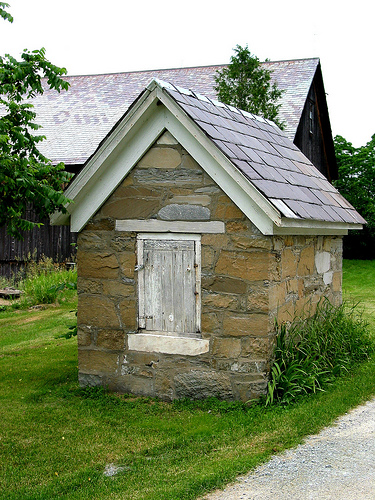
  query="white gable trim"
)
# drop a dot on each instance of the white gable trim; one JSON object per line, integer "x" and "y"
{"x": 132, "y": 138}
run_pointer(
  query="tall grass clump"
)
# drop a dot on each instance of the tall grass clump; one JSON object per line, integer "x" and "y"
{"x": 312, "y": 351}
{"x": 43, "y": 282}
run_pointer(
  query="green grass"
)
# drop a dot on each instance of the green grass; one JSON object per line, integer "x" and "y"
{"x": 56, "y": 439}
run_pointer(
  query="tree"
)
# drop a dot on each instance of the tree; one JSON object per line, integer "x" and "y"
{"x": 245, "y": 84}
{"x": 26, "y": 175}
{"x": 356, "y": 182}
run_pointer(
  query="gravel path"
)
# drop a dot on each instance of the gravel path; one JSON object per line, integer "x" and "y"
{"x": 338, "y": 463}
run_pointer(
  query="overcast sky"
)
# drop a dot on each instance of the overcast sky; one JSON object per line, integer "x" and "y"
{"x": 91, "y": 37}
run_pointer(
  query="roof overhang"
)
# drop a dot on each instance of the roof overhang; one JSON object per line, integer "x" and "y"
{"x": 154, "y": 112}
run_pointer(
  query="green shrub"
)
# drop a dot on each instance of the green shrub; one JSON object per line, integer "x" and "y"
{"x": 312, "y": 351}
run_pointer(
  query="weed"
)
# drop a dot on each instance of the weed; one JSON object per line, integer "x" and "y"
{"x": 42, "y": 283}
{"x": 311, "y": 352}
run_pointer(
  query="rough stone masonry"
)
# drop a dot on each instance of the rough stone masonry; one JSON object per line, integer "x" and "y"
{"x": 247, "y": 281}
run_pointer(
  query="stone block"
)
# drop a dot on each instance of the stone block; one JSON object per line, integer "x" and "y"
{"x": 116, "y": 288}
{"x": 236, "y": 227}
{"x": 277, "y": 295}
{"x": 289, "y": 263}
{"x": 255, "y": 347}
{"x": 229, "y": 347}
{"x": 163, "y": 386}
{"x": 250, "y": 266}
{"x": 337, "y": 281}
{"x": 258, "y": 299}
{"x": 93, "y": 240}
{"x": 84, "y": 336}
{"x": 123, "y": 243}
{"x": 219, "y": 301}
{"x": 97, "y": 264}
{"x": 90, "y": 286}
{"x": 127, "y": 263}
{"x": 97, "y": 311}
{"x": 208, "y": 258}
{"x": 137, "y": 385}
{"x": 210, "y": 322}
{"x": 129, "y": 208}
{"x": 249, "y": 242}
{"x": 167, "y": 139}
{"x": 255, "y": 325}
{"x": 306, "y": 262}
{"x": 137, "y": 192}
{"x": 257, "y": 367}
{"x": 164, "y": 157}
{"x": 184, "y": 212}
{"x": 187, "y": 162}
{"x": 199, "y": 384}
{"x": 90, "y": 380}
{"x": 217, "y": 241}
{"x": 97, "y": 362}
{"x": 100, "y": 225}
{"x": 322, "y": 262}
{"x": 228, "y": 212}
{"x": 128, "y": 314}
{"x": 192, "y": 199}
{"x": 224, "y": 284}
{"x": 158, "y": 176}
{"x": 110, "y": 339}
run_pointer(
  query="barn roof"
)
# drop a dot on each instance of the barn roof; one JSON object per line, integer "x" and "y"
{"x": 76, "y": 121}
{"x": 250, "y": 158}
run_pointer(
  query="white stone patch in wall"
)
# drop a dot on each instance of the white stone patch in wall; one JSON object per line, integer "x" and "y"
{"x": 322, "y": 262}
{"x": 328, "y": 277}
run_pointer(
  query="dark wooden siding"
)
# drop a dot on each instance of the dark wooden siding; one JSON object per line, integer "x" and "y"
{"x": 314, "y": 135}
{"x": 50, "y": 241}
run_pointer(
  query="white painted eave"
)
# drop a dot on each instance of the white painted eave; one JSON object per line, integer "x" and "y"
{"x": 313, "y": 227}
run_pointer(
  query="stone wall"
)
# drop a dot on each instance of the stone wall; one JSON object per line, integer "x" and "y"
{"x": 248, "y": 280}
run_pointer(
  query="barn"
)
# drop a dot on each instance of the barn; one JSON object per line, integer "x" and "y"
{"x": 198, "y": 225}
{"x": 76, "y": 122}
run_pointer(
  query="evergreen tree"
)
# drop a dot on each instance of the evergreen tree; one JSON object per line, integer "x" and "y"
{"x": 245, "y": 84}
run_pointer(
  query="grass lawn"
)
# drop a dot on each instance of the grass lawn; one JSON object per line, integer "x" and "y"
{"x": 56, "y": 440}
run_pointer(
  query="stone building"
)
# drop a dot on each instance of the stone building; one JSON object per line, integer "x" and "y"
{"x": 199, "y": 225}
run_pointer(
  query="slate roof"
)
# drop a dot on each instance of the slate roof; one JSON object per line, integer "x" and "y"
{"x": 265, "y": 156}
{"x": 76, "y": 121}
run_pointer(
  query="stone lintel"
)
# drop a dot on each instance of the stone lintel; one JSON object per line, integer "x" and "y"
{"x": 159, "y": 226}
{"x": 148, "y": 342}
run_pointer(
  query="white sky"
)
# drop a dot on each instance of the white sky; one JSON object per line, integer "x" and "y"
{"x": 92, "y": 36}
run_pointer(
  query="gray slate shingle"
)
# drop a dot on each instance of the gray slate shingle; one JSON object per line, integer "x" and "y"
{"x": 76, "y": 121}
{"x": 265, "y": 156}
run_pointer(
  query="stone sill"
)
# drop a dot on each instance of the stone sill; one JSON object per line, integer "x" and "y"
{"x": 166, "y": 344}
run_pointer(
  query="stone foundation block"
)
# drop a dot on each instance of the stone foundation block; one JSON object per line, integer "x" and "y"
{"x": 197, "y": 384}
{"x": 110, "y": 339}
{"x": 97, "y": 362}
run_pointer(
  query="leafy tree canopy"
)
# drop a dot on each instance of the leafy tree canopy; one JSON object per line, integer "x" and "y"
{"x": 26, "y": 176}
{"x": 245, "y": 84}
{"x": 356, "y": 182}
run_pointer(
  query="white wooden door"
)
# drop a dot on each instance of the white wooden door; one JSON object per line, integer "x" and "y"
{"x": 169, "y": 285}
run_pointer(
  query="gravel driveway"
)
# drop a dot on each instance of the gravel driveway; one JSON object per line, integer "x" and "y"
{"x": 338, "y": 463}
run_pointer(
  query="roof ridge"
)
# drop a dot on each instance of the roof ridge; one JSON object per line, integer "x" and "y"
{"x": 183, "y": 68}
